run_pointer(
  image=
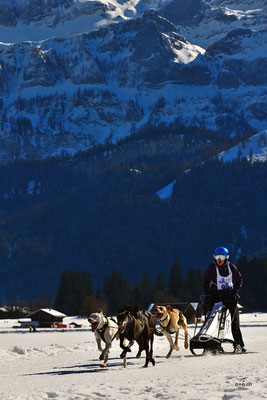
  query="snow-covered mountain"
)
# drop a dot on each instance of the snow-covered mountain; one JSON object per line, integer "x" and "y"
{"x": 77, "y": 73}
{"x": 42, "y": 19}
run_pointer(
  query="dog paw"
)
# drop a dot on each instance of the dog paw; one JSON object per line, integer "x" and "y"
{"x": 103, "y": 365}
{"x": 169, "y": 354}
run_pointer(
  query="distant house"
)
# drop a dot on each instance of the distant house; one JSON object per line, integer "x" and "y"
{"x": 27, "y": 323}
{"x": 190, "y": 310}
{"x": 47, "y": 317}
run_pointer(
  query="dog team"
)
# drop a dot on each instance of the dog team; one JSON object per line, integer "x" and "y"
{"x": 138, "y": 326}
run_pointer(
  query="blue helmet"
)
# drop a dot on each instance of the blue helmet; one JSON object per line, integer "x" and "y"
{"x": 222, "y": 251}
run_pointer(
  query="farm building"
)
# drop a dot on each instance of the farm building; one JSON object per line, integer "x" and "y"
{"x": 47, "y": 317}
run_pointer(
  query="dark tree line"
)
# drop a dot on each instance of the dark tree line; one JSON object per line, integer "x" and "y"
{"x": 85, "y": 222}
{"x": 76, "y": 296}
{"x": 254, "y": 291}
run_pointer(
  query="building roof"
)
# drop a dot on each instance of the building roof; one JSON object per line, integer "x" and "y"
{"x": 49, "y": 311}
{"x": 194, "y": 305}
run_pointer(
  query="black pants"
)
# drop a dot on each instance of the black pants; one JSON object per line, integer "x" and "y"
{"x": 236, "y": 332}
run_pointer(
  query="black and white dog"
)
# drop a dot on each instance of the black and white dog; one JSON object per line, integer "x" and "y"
{"x": 106, "y": 329}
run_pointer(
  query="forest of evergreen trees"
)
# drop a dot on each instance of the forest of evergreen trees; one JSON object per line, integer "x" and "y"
{"x": 57, "y": 215}
{"x": 76, "y": 295}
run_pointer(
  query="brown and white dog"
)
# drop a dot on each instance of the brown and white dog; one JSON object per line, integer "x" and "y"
{"x": 105, "y": 329}
{"x": 170, "y": 321}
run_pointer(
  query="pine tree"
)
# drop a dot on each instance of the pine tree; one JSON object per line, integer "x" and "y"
{"x": 246, "y": 294}
{"x": 88, "y": 283}
{"x": 145, "y": 292}
{"x": 64, "y": 295}
{"x": 116, "y": 291}
{"x": 194, "y": 285}
{"x": 78, "y": 291}
{"x": 159, "y": 283}
{"x": 176, "y": 281}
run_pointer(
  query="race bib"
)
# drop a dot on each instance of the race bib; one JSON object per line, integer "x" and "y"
{"x": 224, "y": 282}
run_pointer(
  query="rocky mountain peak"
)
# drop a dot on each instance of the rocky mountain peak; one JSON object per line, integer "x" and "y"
{"x": 182, "y": 12}
{"x": 231, "y": 44}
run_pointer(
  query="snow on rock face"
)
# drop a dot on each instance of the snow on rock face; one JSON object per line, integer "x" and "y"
{"x": 242, "y": 42}
{"x": 47, "y": 11}
{"x": 145, "y": 49}
{"x": 217, "y": 18}
{"x": 239, "y": 58}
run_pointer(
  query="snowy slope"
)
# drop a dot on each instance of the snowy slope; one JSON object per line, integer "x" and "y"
{"x": 64, "y": 365}
{"x": 255, "y": 148}
{"x": 166, "y": 191}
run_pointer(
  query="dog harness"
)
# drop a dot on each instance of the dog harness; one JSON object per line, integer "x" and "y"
{"x": 101, "y": 331}
{"x": 167, "y": 328}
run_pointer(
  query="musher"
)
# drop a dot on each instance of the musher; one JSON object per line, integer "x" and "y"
{"x": 222, "y": 282}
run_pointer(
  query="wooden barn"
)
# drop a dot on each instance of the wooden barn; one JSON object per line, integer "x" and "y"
{"x": 47, "y": 317}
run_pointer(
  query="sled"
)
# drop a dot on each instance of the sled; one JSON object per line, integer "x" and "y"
{"x": 214, "y": 333}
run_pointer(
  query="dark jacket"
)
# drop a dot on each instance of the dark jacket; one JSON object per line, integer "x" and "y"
{"x": 210, "y": 282}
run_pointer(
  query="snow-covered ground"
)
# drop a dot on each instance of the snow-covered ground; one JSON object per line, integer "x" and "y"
{"x": 50, "y": 364}
{"x": 255, "y": 147}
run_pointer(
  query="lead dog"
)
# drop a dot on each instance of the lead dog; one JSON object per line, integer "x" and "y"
{"x": 105, "y": 329}
{"x": 170, "y": 321}
{"x": 134, "y": 329}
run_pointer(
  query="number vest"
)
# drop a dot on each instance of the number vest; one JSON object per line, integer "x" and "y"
{"x": 224, "y": 282}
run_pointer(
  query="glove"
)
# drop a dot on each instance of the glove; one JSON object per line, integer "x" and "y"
{"x": 230, "y": 298}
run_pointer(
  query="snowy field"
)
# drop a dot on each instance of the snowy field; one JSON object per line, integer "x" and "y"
{"x": 53, "y": 364}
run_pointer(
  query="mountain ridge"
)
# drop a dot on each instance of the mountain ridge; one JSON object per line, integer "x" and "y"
{"x": 63, "y": 95}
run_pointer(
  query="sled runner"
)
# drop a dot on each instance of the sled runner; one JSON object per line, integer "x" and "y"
{"x": 215, "y": 331}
